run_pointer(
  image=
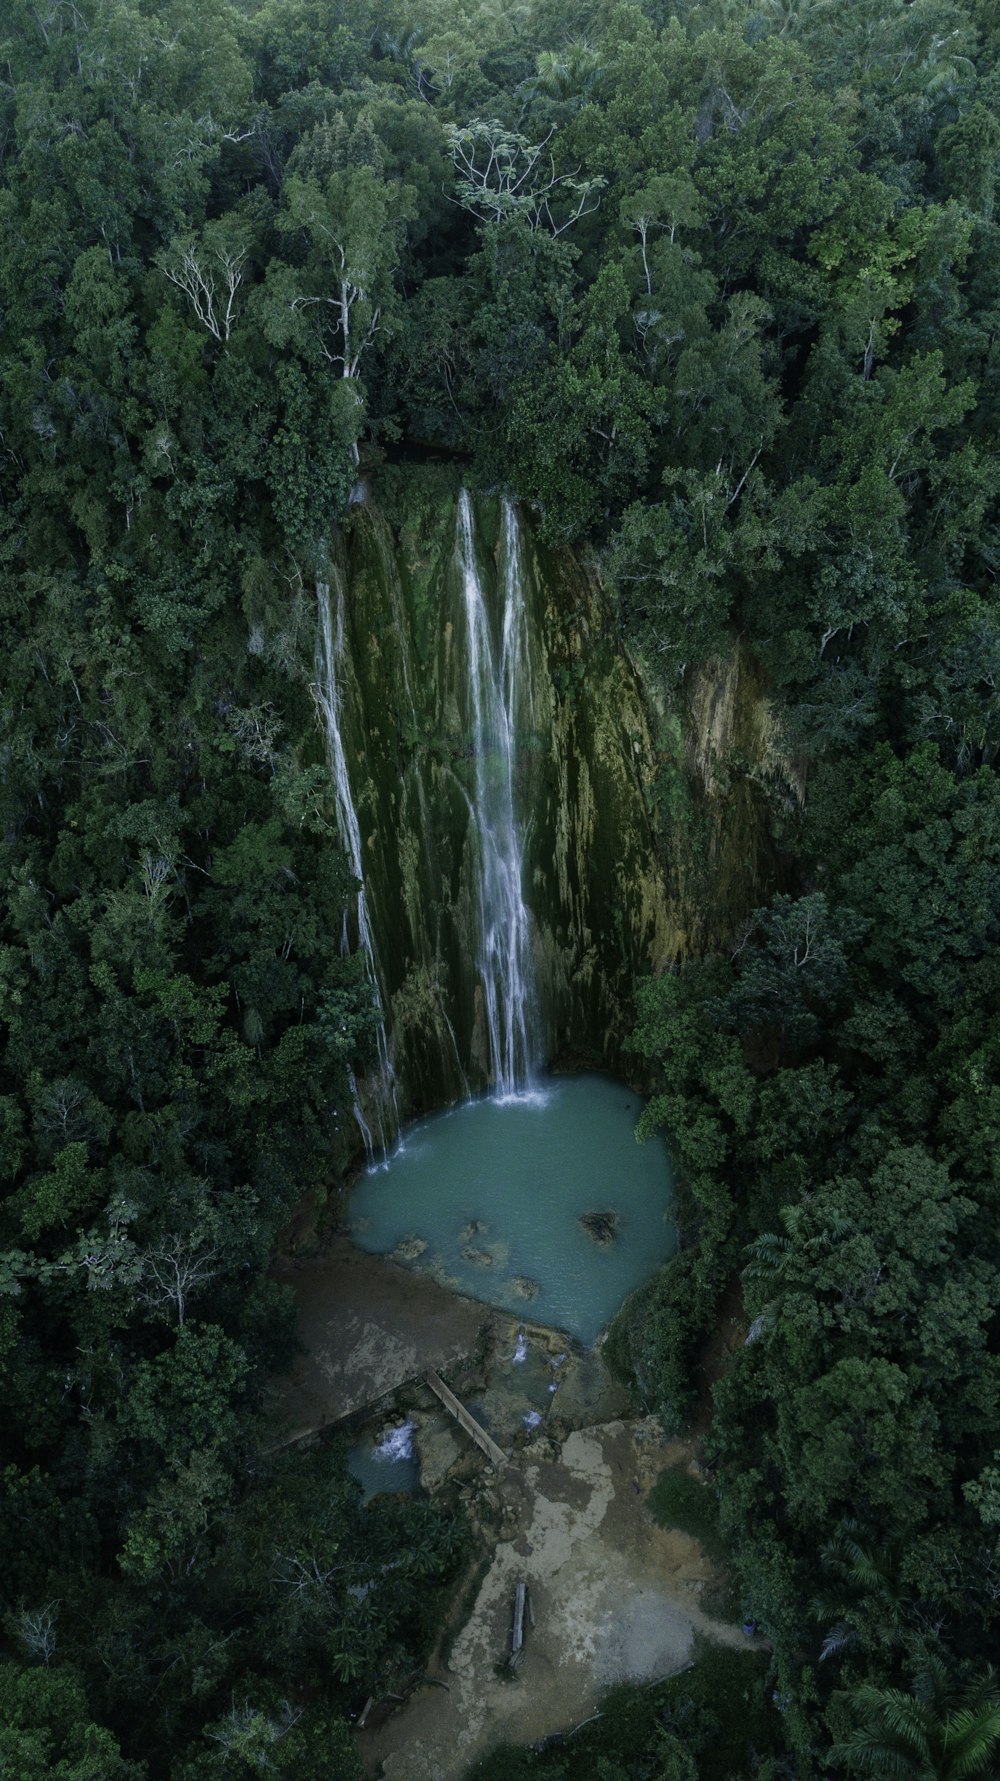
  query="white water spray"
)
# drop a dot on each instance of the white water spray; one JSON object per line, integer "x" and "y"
{"x": 330, "y": 695}
{"x": 398, "y": 1443}
{"x": 504, "y": 960}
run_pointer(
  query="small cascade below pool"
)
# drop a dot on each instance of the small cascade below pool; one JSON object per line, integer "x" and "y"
{"x": 330, "y": 672}
{"x": 397, "y": 1444}
{"x": 387, "y": 1466}
{"x": 495, "y": 679}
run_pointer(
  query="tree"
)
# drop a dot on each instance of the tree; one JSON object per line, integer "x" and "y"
{"x": 176, "y": 1268}
{"x": 792, "y": 966}
{"x": 864, "y": 1597}
{"x": 944, "y": 1729}
{"x": 500, "y": 174}
{"x": 47, "y": 1734}
{"x": 274, "y": 1737}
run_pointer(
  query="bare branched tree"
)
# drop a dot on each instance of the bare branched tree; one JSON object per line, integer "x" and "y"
{"x": 35, "y": 1631}
{"x": 303, "y": 1576}
{"x": 175, "y": 1269}
{"x": 209, "y": 274}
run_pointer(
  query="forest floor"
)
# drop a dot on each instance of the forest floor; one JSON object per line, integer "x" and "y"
{"x": 615, "y": 1598}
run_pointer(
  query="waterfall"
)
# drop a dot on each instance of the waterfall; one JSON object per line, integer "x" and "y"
{"x": 504, "y": 958}
{"x": 330, "y": 673}
{"x": 473, "y": 775}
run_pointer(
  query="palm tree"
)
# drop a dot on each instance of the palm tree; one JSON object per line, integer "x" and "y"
{"x": 864, "y": 1597}
{"x": 942, "y": 1730}
{"x": 570, "y": 75}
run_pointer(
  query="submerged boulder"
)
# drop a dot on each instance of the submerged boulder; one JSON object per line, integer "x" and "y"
{"x": 408, "y": 1248}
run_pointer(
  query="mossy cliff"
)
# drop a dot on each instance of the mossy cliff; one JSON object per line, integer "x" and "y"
{"x": 645, "y": 827}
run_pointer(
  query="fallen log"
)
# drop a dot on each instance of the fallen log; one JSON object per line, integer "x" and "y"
{"x": 517, "y": 1638}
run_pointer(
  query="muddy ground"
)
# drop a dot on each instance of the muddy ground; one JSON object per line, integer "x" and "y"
{"x": 615, "y": 1599}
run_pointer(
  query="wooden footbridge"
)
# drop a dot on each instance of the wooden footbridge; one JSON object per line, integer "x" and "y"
{"x": 497, "y": 1457}
{"x": 494, "y": 1454}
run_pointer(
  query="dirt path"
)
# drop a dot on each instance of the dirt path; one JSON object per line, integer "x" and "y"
{"x": 615, "y": 1599}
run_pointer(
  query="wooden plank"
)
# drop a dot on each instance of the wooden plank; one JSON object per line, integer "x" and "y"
{"x": 494, "y": 1454}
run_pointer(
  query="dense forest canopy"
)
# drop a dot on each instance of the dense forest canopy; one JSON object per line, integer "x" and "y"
{"x": 716, "y": 289}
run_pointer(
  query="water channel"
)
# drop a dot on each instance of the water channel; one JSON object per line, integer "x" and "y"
{"x": 543, "y": 1205}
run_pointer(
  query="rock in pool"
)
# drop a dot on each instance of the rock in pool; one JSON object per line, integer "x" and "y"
{"x": 601, "y": 1226}
{"x": 523, "y": 1288}
{"x": 481, "y": 1258}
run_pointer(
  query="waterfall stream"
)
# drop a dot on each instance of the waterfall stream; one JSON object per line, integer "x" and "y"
{"x": 488, "y": 804}
{"x": 330, "y": 675}
{"x": 504, "y": 955}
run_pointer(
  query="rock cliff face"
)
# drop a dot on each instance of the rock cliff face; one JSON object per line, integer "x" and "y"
{"x": 533, "y": 829}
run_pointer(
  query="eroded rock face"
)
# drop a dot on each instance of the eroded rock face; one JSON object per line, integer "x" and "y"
{"x": 644, "y": 810}
{"x": 473, "y": 1229}
{"x": 439, "y": 1447}
{"x": 409, "y": 1248}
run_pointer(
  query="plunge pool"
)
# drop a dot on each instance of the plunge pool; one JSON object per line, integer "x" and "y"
{"x": 544, "y": 1205}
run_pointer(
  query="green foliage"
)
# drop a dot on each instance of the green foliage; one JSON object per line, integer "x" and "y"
{"x": 653, "y": 1341}
{"x": 861, "y": 1408}
{"x": 46, "y": 1733}
{"x": 679, "y": 1500}
{"x": 716, "y": 288}
{"x": 942, "y": 1729}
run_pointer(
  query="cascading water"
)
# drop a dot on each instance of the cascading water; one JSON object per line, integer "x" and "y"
{"x": 515, "y": 672}
{"x": 475, "y": 773}
{"x": 398, "y": 1443}
{"x": 504, "y": 957}
{"x": 329, "y": 692}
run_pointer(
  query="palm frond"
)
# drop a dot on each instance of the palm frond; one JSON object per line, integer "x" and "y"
{"x": 839, "y": 1637}
{"x": 970, "y": 1738}
{"x": 872, "y": 1755}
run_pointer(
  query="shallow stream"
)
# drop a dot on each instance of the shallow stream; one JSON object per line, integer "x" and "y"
{"x": 490, "y": 1198}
